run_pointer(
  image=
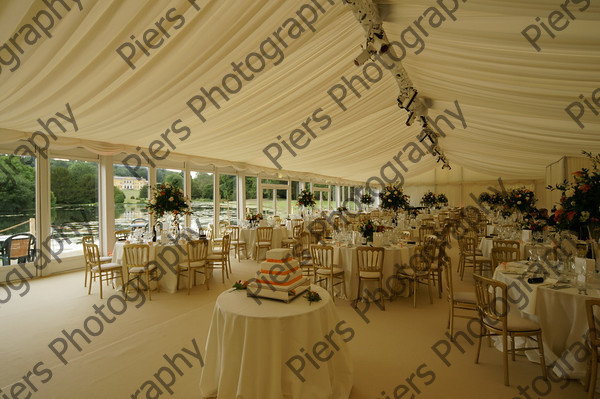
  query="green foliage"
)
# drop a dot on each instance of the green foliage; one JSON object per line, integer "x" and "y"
{"x": 74, "y": 182}
{"x": 174, "y": 179}
{"x": 202, "y": 186}
{"x": 227, "y": 187}
{"x": 119, "y": 195}
{"x": 17, "y": 184}
{"x": 143, "y": 191}
{"x": 121, "y": 170}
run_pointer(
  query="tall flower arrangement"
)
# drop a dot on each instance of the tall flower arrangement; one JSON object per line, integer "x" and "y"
{"x": 579, "y": 205}
{"x": 306, "y": 199}
{"x": 393, "y": 198}
{"x": 442, "y": 200}
{"x": 429, "y": 199}
{"x": 366, "y": 199}
{"x": 167, "y": 199}
{"x": 521, "y": 200}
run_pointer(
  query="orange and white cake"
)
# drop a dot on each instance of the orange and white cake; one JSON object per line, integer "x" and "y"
{"x": 280, "y": 271}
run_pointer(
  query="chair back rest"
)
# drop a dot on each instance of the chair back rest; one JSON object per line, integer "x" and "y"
{"x": 226, "y": 244}
{"x": 306, "y": 240}
{"x": 506, "y": 243}
{"x": 447, "y": 266}
{"x": 322, "y": 256}
{"x": 296, "y": 222}
{"x": 430, "y": 245}
{"x": 18, "y": 247}
{"x": 222, "y": 228}
{"x": 91, "y": 255}
{"x": 468, "y": 245}
{"x": 264, "y": 234}
{"x": 504, "y": 254}
{"x": 136, "y": 255}
{"x": 425, "y": 230}
{"x": 421, "y": 259}
{"x": 318, "y": 226}
{"x": 197, "y": 250}
{"x": 87, "y": 240}
{"x": 592, "y": 307}
{"x": 492, "y": 302}
{"x": 296, "y": 231}
{"x": 234, "y": 233}
{"x": 121, "y": 235}
{"x": 370, "y": 259}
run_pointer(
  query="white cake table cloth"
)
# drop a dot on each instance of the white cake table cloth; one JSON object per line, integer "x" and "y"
{"x": 250, "y": 342}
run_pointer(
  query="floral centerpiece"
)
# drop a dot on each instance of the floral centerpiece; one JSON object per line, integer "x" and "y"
{"x": 306, "y": 199}
{"x": 253, "y": 218}
{"x": 520, "y": 200}
{"x": 368, "y": 227}
{"x": 312, "y": 296}
{"x": 442, "y": 200}
{"x": 168, "y": 199}
{"x": 494, "y": 201}
{"x": 240, "y": 285}
{"x": 429, "y": 199}
{"x": 366, "y": 199}
{"x": 579, "y": 207}
{"x": 393, "y": 198}
{"x": 535, "y": 225}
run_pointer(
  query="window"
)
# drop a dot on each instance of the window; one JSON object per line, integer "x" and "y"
{"x": 131, "y": 194}
{"x": 228, "y": 193}
{"x": 295, "y": 192}
{"x": 17, "y": 196}
{"x": 203, "y": 206}
{"x": 74, "y": 204}
{"x": 251, "y": 196}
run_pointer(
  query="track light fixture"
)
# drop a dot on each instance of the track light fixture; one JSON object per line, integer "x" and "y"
{"x": 411, "y": 118}
{"x": 364, "y": 56}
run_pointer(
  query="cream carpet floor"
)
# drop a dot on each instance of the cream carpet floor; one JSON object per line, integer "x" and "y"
{"x": 393, "y": 353}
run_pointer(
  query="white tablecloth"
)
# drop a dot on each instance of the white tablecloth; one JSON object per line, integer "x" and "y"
{"x": 346, "y": 258}
{"x": 560, "y": 313}
{"x": 250, "y": 342}
{"x": 249, "y": 235}
{"x": 166, "y": 256}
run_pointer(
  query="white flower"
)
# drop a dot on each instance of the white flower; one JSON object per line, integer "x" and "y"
{"x": 570, "y": 192}
{"x": 585, "y": 215}
{"x": 153, "y": 201}
{"x": 389, "y": 200}
{"x": 518, "y": 202}
{"x": 171, "y": 199}
{"x": 573, "y": 203}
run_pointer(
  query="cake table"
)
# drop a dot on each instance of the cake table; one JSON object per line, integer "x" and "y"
{"x": 258, "y": 348}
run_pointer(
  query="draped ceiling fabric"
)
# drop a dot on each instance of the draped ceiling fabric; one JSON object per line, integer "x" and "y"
{"x": 513, "y": 98}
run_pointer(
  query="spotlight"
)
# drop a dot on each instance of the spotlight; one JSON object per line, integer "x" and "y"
{"x": 411, "y": 118}
{"x": 363, "y": 57}
{"x": 405, "y": 102}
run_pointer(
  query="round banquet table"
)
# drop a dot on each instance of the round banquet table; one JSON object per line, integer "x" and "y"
{"x": 394, "y": 257}
{"x": 251, "y": 339}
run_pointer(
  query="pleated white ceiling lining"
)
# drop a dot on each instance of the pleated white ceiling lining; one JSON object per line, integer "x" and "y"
{"x": 512, "y": 97}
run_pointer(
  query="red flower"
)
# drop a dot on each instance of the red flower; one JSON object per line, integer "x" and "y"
{"x": 558, "y": 214}
{"x": 585, "y": 188}
{"x": 571, "y": 215}
{"x": 594, "y": 219}
{"x": 563, "y": 198}
{"x": 578, "y": 173}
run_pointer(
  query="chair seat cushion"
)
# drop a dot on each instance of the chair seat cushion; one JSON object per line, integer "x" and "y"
{"x": 407, "y": 271}
{"x": 198, "y": 263}
{"x": 327, "y": 272}
{"x": 369, "y": 274}
{"x": 263, "y": 243}
{"x": 481, "y": 258}
{"x": 465, "y": 296}
{"x": 141, "y": 269}
{"x": 240, "y": 242}
{"x": 288, "y": 241}
{"x": 214, "y": 256}
{"x": 106, "y": 259}
{"x": 107, "y": 266}
{"x": 514, "y": 323}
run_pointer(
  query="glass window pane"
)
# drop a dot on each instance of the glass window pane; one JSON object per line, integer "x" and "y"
{"x": 267, "y": 202}
{"x": 17, "y": 197}
{"x": 251, "y": 196}
{"x": 295, "y": 192}
{"x": 282, "y": 210}
{"x": 74, "y": 207}
{"x": 131, "y": 195}
{"x": 203, "y": 206}
{"x": 228, "y": 193}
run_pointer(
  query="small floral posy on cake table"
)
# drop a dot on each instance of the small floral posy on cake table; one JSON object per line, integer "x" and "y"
{"x": 240, "y": 285}
{"x": 312, "y": 296}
